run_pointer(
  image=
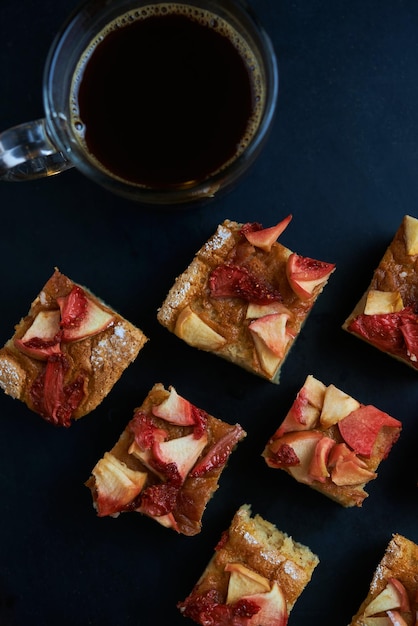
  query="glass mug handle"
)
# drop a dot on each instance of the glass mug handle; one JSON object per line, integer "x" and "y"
{"x": 26, "y": 153}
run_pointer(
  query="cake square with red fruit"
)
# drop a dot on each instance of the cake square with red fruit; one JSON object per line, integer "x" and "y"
{"x": 386, "y": 316}
{"x": 392, "y": 599}
{"x": 245, "y": 297}
{"x": 166, "y": 464}
{"x": 254, "y": 578}
{"x": 68, "y": 352}
{"x": 332, "y": 442}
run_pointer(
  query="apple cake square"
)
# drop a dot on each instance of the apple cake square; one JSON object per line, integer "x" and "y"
{"x": 166, "y": 464}
{"x": 245, "y": 297}
{"x": 68, "y": 352}
{"x": 254, "y": 577}
{"x": 332, "y": 442}
{"x": 392, "y": 599}
{"x": 386, "y": 316}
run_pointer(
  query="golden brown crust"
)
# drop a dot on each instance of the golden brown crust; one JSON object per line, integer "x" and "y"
{"x": 400, "y": 561}
{"x": 102, "y": 357}
{"x": 228, "y": 316}
{"x": 397, "y": 271}
{"x": 260, "y": 546}
{"x": 196, "y": 491}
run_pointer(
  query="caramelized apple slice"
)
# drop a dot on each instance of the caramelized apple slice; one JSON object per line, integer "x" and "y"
{"x": 347, "y": 468}
{"x": 294, "y": 451}
{"x": 265, "y": 237}
{"x": 337, "y": 405}
{"x": 381, "y": 302}
{"x": 194, "y": 331}
{"x": 318, "y": 469}
{"x": 175, "y": 409}
{"x": 254, "y": 310}
{"x": 244, "y": 582}
{"x": 269, "y": 361}
{"x": 116, "y": 484}
{"x": 305, "y": 410}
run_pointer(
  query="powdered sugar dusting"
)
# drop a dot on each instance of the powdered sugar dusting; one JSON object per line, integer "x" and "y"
{"x": 291, "y": 570}
{"x": 114, "y": 348}
{"x": 10, "y": 378}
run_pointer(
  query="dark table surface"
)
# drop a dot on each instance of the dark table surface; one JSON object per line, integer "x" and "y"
{"x": 343, "y": 159}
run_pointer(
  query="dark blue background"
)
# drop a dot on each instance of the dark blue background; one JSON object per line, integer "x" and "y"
{"x": 343, "y": 159}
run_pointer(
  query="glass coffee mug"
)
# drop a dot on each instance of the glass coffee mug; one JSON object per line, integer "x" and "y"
{"x": 160, "y": 102}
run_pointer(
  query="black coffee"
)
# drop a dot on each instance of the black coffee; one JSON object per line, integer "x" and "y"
{"x": 166, "y": 98}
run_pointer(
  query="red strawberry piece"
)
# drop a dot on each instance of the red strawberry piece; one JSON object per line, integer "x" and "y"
{"x": 233, "y": 281}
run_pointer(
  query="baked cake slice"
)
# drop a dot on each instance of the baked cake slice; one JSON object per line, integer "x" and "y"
{"x": 67, "y": 353}
{"x": 254, "y": 578}
{"x": 387, "y": 314}
{"x": 245, "y": 297}
{"x": 166, "y": 464}
{"x": 392, "y": 599}
{"x": 332, "y": 442}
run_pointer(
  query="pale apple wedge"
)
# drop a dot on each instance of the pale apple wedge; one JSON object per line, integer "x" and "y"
{"x": 273, "y": 609}
{"x": 244, "y": 582}
{"x": 303, "y": 444}
{"x": 411, "y": 235}
{"x": 318, "y": 469}
{"x": 271, "y": 329}
{"x": 116, "y": 484}
{"x": 269, "y": 361}
{"x": 393, "y": 596}
{"x": 192, "y": 329}
{"x": 337, "y": 405}
{"x": 381, "y": 302}
{"x": 255, "y": 311}
{"x": 175, "y": 409}
{"x": 314, "y": 391}
{"x": 265, "y": 237}
{"x": 42, "y": 337}
{"x": 181, "y": 451}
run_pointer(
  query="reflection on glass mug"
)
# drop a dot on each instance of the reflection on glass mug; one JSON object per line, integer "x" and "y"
{"x": 160, "y": 102}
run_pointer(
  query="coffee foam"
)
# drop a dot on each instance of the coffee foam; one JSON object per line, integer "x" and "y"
{"x": 204, "y": 18}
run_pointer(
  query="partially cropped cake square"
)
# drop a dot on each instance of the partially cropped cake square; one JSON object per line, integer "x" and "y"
{"x": 392, "y": 598}
{"x": 166, "y": 464}
{"x": 255, "y": 576}
{"x": 332, "y": 442}
{"x": 386, "y": 316}
{"x": 68, "y": 352}
{"x": 245, "y": 297}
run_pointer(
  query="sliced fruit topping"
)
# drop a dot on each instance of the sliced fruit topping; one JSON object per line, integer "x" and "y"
{"x": 379, "y": 302}
{"x": 361, "y": 427}
{"x": 337, "y": 405}
{"x": 305, "y": 274}
{"x": 347, "y": 468}
{"x": 219, "y": 452}
{"x": 294, "y": 452}
{"x": 411, "y": 235}
{"x": 192, "y": 329}
{"x": 81, "y": 317}
{"x": 393, "y": 596}
{"x": 255, "y": 311}
{"x": 43, "y": 337}
{"x": 268, "y": 360}
{"x": 175, "y": 409}
{"x": 146, "y": 433}
{"x": 271, "y": 329}
{"x": 116, "y": 485}
{"x": 183, "y": 452}
{"x": 385, "y": 331}
{"x": 265, "y": 237}
{"x": 318, "y": 469}
{"x": 272, "y": 608}
{"x": 305, "y": 410}
{"x": 158, "y": 500}
{"x": 244, "y": 582}
{"x": 234, "y": 281}
{"x": 54, "y": 400}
